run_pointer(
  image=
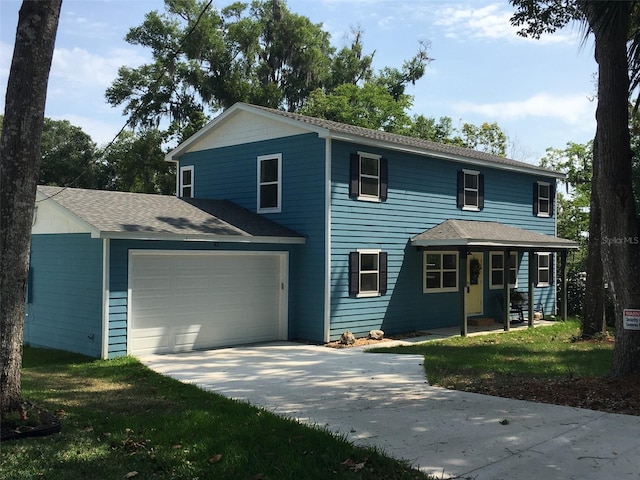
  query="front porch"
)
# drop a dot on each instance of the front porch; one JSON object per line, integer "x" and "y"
{"x": 477, "y": 242}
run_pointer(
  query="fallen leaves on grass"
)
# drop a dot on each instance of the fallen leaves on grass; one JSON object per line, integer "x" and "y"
{"x": 606, "y": 394}
{"x": 353, "y": 465}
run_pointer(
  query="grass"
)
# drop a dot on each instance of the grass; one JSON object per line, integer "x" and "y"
{"x": 122, "y": 420}
{"x": 542, "y": 352}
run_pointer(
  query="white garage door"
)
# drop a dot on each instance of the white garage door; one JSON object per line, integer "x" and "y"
{"x": 180, "y": 301}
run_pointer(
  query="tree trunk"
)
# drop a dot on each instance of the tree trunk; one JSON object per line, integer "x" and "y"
{"x": 620, "y": 229}
{"x": 19, "y": 169}
{"x": 593, "y": 318}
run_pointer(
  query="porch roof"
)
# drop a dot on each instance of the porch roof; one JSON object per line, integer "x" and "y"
{"x": 473, "y": 233}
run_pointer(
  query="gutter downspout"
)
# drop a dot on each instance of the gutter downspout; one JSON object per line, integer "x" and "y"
{"x": 106, "y": 246}
{"x": 327, "y": 242}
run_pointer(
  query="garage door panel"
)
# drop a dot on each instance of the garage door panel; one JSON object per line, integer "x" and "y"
{"x": 182, "y": 301}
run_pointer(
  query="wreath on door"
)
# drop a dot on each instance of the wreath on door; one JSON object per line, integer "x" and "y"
{"x": 474, "y": 270}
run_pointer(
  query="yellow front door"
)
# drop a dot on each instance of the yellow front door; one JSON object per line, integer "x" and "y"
{"x": 473, "y": 297}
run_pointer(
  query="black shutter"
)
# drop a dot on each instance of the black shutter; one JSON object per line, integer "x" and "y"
{"x": 551, "y": 258}
{"x": 480, "y": 191}
{"x": 552, "y": 197}
{"x": 535, "y": 199}
{"x": 354, "y": 188}
{"x": 354, "y": 273}
{"x": 460, "y": 197}
{"x": 382, "y": 266}
{"x": 384, "y": 179}
{"x": 536, "y": 272}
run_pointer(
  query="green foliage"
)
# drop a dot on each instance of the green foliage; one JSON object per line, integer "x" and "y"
{"x": 260, "y": 53}
{"x": 119, "y": 417}
{"x": 487, "y": 137}
{"x": 369, "y": 106}
{"x": 547, "y": 351}
{"x": 135, "y": 163}
{"x": 537, "y": 17}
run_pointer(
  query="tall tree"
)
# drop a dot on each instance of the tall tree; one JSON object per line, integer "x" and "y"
{"x": 612, "y": 194}
{"x": 68, "y": 156}
{"x": 135, "y": 163}
{"x": 576, "y": 161}
{"x": 262, "y": 53}
{"x": 19, "y": 169}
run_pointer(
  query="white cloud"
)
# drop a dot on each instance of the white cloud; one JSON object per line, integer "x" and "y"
{"x": 79, "y": 66}
{"x": 576, "y": 109}
{"x": 491, "y": 22}
{"x": 100, "y": 132}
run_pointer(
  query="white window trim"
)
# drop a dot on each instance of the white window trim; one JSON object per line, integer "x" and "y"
{"x": 424, "y": 272}
{"x": 501, "y": 286}
{"x": 368, "y": 198}
{"x": 371, "y": 293}
{"x": 472, "y": 208}
{"x": 546, "y": 214}
{"x": 547, "y": 268}
{"x": 278, "y": 207}
{"x": 181, "y": 179}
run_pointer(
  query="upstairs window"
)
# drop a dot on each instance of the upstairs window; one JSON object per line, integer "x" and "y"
{"x": 269, "y": 183}
{"x": 497, "y": 270}
{"x": 543, "y": 199}
{"x": 368, "y": 177}
{"x": 185, "y": 188}
{"x": 440, "y": 272}
{"x": 367, "y": 273}
{"x": 470, "y": 190}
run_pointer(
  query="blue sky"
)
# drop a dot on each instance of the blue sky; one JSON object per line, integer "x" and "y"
{"x": 541, "y": 93}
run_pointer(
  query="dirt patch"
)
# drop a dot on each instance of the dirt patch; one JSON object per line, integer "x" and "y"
{"x": 370, "y": 341}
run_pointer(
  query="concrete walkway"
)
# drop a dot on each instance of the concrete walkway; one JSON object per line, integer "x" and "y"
{"x": 384, "y": 400}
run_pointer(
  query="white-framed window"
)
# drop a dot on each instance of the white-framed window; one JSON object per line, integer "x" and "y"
{"x": 542, "y": 202}
{"x": 496, "y": 270}
{"x": 440, "y": 272}
{"x": 367, "y": 273}
{"x": 368, "y": 177}
{"x": 470, "y": 195}
{"x": 185, "y": 188}
{"x": 543, "y": 266}
{"x": 269, "y": 183}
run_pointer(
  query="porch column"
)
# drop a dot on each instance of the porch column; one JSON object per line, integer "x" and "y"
{"x": 462, "y": 284}
{"x": 506, "y": 257}
{"x": 531, "y": 275}
{"x": 563, "y": 272}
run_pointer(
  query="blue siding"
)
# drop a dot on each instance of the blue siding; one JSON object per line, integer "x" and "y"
{"x": 231, "y": 173}
{"x": 66, "y": 308}
{"x": 119, "y": 278}
{"x": 422, "y": 194}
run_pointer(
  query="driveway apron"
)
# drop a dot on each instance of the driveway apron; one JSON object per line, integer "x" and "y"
{"x": 384, "y": 400}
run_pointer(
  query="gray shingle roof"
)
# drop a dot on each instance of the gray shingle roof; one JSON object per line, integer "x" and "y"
{"x": 449, "y": 151}
{"x": 137, "y": 215}
{"x": 487, "y": 234}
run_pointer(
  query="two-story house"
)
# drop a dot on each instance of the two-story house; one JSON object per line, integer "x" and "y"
{"x": 291, "y": 227}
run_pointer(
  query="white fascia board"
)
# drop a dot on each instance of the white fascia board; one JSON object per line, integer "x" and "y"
{"x": 202, "y": 238}
{"x": 445, "y": 156}
{"x": 493, "y": 243}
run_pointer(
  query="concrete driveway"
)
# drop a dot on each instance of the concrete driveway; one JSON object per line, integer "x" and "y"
{"x": 384, "y": 400}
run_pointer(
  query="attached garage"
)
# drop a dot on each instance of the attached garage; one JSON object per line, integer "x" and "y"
{"x": 181, "y": 301}
{"x": 119, "y": 273}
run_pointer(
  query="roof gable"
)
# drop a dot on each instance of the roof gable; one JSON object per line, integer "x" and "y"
{"x": 107, "y": 214}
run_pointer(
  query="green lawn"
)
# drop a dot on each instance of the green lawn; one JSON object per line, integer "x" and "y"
{"x": 121, "y": 420}
{"x": 542, "y": 352}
